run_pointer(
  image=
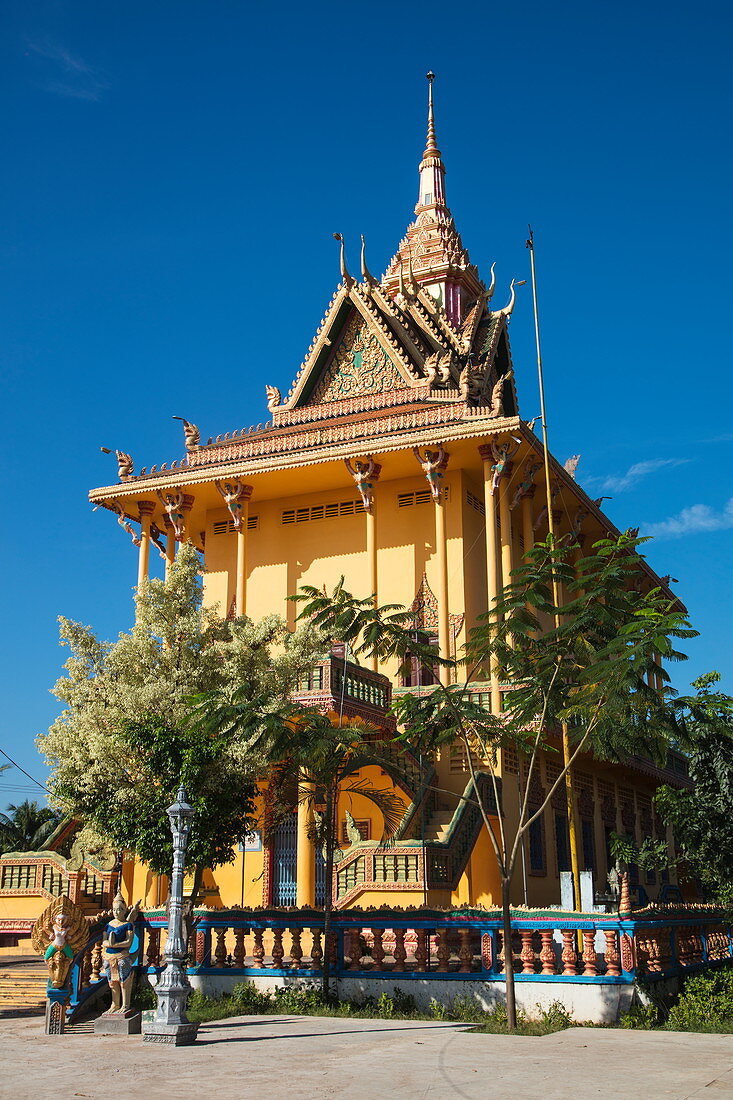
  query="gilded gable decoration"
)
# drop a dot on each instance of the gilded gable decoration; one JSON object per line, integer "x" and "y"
{"x": 359, "y": 366}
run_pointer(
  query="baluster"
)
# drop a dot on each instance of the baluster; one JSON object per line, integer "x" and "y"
{"x": 86, "y": 968}
{"x": 444, "y": 951}
{"x": 296, "y": 951}
{"x": 590, "y": 958}
{"x": 200, "y": 949}
{"x": 153, "y": 955}
{"x": 333, "y": 949}
{"x": 569, "y": 955}
{"x": 278, "y": 952}
{"x": 354, "y": 949}
{"x": 613, "y": 958}
{"x": 527, "y": 953}
{"x": 399, "y": 949}
{"x": 465, "y": 952}
{"x": 653, "y": 946}
{"x": 421, "y": 951}
{"x": 378, "y": 948}
{"x": 239, "y": 951}
{"x": 486, "y": 951}
{"x": 96, "y": 961}
{"x": 547, "y": 953}
{"x": 258, "y": 951}
{"x": 220, "y": 954}
{"x": 316, "y": 949}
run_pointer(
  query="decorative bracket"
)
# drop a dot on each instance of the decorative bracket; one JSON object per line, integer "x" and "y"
{"x": 235, "y": 495}
{"x": 364, "y": 475}
{"x": 433, "y": 463}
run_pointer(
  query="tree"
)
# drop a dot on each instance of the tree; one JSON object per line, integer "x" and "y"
{"x": 702, "y": 818}
{"x": 319, "y": 756}
{"x": 27, "y": 826}
{"x": 583, "y": 660}
{"x": 120, "y": 746}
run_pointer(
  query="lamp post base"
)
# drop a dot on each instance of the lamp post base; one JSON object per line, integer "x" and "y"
{"x": 177, "y": 1035}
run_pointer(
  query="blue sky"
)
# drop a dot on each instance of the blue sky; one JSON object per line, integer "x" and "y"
{"x": 173, "y": 176}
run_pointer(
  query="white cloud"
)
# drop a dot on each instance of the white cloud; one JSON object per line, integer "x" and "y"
{"x": 77, "y": 79}
{"x": 618, "y": 483}
{"x": 699, "y": 517}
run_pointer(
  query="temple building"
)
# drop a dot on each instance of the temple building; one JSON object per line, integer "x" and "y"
{"x": 399, "y": 460}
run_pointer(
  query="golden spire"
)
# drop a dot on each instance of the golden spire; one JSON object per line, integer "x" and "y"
{"x": 431, "y": 145}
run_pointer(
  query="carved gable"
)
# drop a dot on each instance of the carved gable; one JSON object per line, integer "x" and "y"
{"x": 359, "y": 365}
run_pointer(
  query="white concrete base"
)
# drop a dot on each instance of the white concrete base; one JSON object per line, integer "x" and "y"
{"x": 598, "y": 1003}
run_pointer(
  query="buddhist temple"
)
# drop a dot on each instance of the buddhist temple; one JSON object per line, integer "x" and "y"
{"x": 398, "y": 459}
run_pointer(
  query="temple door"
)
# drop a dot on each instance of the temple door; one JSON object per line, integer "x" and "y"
{"x": 284, "y": 858}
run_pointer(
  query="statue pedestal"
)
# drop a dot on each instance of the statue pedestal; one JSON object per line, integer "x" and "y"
{"x": 177, "y": 1035}
{"x": 119, "y": 1023}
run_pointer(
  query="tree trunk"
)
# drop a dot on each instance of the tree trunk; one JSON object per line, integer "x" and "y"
{"x": 511, "y": 1004}
{"x": 328, "y": 898}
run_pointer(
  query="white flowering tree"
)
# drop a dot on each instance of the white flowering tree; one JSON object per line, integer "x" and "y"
{"x": 126, "y": 736}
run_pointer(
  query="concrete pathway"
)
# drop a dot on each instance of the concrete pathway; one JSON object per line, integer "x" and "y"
{"x": 293, "y": 1057}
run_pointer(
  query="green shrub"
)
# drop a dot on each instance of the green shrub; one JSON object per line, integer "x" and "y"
{"x": 300, "y": 1000}
{"x": 466, "y": 1010}
{"x": 201, "y": 1008}
{"x": 395, "y": 1003}
{"x": 143, "y": 996}
{"x": 249, "y": 1000}
{"x": 556, "y": 1017}
{"x": 705, "y": 1003}
{"x": 438, "y": 1010}
{"x": 640, "y": 1017}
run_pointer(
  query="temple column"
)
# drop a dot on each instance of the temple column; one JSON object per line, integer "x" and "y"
{"x": 528, "y": 520}
{"x": 441, "y": 542}
{"x": 433, "y": 463}
{"x": 505, "y": 523}
{"x": 236, "y": 496}
{"x": 371, "y": 542}
{"x": 366, "y": 475}
{"x": 170, "y": 547}
{"x": 242, "y": 538}
{"x": 305, "y": 868}
{"x": 491, "y": 562}
{"x": 146, "y": 508}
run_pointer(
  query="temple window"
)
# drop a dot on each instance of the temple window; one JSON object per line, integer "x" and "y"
{"x": 537, "y": 864}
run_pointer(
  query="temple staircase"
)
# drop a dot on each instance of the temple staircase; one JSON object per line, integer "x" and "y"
{"x": 23, "y": 986}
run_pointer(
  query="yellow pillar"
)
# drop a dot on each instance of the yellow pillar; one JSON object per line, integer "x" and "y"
{"x": 170, "y": 547}
{"x": 305, "y": 869}
{"x": 441, "y": 545}
{"x": 505, "y": 522}
{"x": 371, "y": 542}
{"x": 491, "y": 562}
{"x": 146, "y": 508}
{"x": 528, "y": 521}
{"x": 242, "y": 535}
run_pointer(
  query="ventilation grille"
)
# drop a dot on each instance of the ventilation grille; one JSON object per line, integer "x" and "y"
{"x": 321, "y": 511}
{"x": 475, "y": 503}
{"x": 226, "y": 526}
{"x": 422, "y": 496}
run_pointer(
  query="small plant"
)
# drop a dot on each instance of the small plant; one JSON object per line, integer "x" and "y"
{"x": 438, "y": 1010}
{"x": 705, "y": 1004}
{"x": 466, "y": 1010}
{"x": 396, "y": 1003}
{"x": 640, "y": 1017}
{"x": 249, "y": 1000}
{"x": 143, "y": 997}
{"x": 302, "y": 1000}
{"x": 556, "y": 1017}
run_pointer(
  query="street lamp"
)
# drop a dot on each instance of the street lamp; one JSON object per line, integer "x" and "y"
{"x": 171, "y": 1025}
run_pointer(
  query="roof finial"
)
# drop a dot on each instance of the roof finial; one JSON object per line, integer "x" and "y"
{"x": 348, "y": 280}
{"x": 365, "y": 272}
{"x": 431, "y": 145}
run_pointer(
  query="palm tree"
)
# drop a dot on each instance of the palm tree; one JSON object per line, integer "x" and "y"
{"x": 27, "y": 827}
{"x": 323, "y": 753}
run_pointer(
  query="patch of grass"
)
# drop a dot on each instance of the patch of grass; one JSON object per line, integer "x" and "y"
{"x": 307, "y": 1000}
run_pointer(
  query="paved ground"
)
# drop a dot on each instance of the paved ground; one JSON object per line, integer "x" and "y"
{"x": 289, "y": 1057}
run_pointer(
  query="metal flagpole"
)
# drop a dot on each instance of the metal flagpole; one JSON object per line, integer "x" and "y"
{"x": 572, "y": 829}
